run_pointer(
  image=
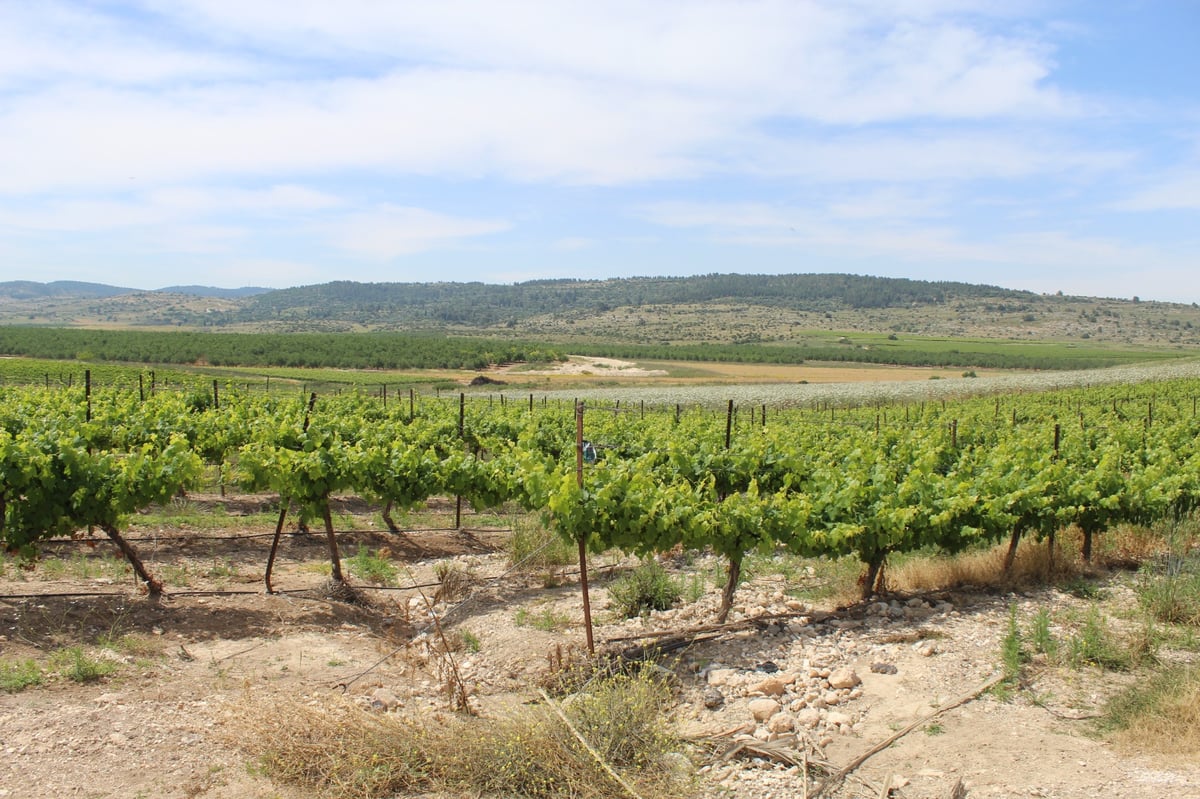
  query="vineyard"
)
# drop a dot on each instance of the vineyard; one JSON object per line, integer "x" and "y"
{"x": 740, "y": 483}
{"x": 820, "y": 482}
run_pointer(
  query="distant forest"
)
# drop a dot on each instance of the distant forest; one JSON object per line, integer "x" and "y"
{"x": 484, "y": 304}
{"x": 335, "y": 350}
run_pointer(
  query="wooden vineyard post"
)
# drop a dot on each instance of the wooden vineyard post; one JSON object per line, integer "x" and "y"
{"x": 87, "y": 392}
{"x": 583, "y": 574}
{"x": 411, "y": 405}
{"x": 1050, "y": 538}
{"x": 216, "y": 397}
{"x": 462, "y": 410}
{"x": 728, "y": 424}
{"x": 141, "y": 388}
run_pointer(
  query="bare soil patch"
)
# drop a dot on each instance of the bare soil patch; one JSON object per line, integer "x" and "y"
{"x": 159, "y": 725}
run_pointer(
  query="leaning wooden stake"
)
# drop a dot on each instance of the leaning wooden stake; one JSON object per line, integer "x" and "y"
{"x": 583, "y": 573}
{"x": 833, "y": 780}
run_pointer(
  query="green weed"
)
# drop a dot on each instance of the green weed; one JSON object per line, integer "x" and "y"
{"x": 1095, "y": 644}
{"x": 648, "y": 587}
{"x": 17, "y": 675}
{"x": 537, "y": 548}
{"x": 372, "y": 567}
{"x": 1012, "y": 655}
{"x": 1040, "y": 636}
{"x": 547, "y": 620}
{"x": 76, "y": 664}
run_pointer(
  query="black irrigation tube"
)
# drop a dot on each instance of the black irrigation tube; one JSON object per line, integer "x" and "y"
{"x": 247, "y": 592}
{"x": 350, "y": 533}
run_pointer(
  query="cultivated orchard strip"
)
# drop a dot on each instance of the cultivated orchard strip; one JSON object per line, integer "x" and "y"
{"x": 826, "y": 480}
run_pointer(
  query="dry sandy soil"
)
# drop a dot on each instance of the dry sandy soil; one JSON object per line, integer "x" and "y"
{"x": 158, "y": 725}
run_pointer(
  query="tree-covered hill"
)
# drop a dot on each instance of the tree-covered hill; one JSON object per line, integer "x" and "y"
{"x": 716, "y": 309}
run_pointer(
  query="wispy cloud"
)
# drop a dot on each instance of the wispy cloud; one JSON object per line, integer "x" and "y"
{"x": 1178, "y": 192}
{"x": 914, "y": 135}
{"x": 391, "y": 231}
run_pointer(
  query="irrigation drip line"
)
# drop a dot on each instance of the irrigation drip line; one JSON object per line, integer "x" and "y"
{"x": 248, "y": 536}
{"x": 248, "y": 592}
{"x": 167, "y": 595}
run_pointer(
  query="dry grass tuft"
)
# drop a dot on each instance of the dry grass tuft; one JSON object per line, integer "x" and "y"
{"x": 336, "y": 748}
{"x": 985, "y": 569}
{"x": 1159, "y": 716}
{"x": 454, "y": 581}
{"x": 343, "y": 751}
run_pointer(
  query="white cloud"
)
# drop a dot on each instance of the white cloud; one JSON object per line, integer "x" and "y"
{"x": 574, "y": 243}
{"x": 923, "y": 155}
{"x": 795, "y": 57}
{"x": 457, "y": 124}
{"x": 177, "y": 204}
{"x": 1180, "y": 192}
{"x": 1048, "y": 255}
{"x": 529, "y": 91}
{"x": 269, "y": 272}
{"x": 52, "y": 41}
{"x": 390, "y": 232}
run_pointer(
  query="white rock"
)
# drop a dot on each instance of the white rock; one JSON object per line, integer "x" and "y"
{"x": 781, "y": 722}
{"x": 772, "y": 686}
{"x": 719, "y": 677}
{"x": 808, "y": 717}
{"x": 925, "y": 648}
{"x": 837, "y": 717}
{"x": 763, "y": 709}
{"x": 844, "y": 678}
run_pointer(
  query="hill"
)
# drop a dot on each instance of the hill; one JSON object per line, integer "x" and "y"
{"x": 799, "y": 309}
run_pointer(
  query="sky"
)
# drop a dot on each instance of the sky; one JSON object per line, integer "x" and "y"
{"x": 1048, "y": 145}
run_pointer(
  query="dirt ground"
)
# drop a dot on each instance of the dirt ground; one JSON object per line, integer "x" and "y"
{"x": 157, "y": 725}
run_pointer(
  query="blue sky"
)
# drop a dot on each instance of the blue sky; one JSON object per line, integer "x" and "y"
{"x": 1038, "y": 144}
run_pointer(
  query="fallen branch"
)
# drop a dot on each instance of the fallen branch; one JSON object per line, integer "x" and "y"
{"x": 833, "y": 780}
{"x": 814, "y": 617}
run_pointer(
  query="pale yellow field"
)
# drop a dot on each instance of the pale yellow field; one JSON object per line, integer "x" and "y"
{"x": 580, "y": 370}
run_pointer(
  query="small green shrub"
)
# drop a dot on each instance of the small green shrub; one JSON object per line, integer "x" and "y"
{"x": 76, "y": 664}
{"x": 372, "y": 567}
{"x": 1041, "y": 637}
{"x": 535, "y": 547}
{"x": 648, "y": 587}
{"x": 19, "y": 674}
{"x": 1170, "y": 592}
{"x": 547, "y": 620}
{"x": 1095, "y": 644}
{"x": 1012, "y": 656}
